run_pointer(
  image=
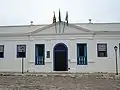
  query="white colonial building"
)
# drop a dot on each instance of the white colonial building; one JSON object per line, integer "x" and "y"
{"x": 77, "y": 47}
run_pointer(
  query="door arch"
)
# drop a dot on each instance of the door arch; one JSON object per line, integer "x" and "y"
{"x": 60, "y": 57}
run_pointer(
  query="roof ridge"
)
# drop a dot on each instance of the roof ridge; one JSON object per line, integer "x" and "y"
{"x": 95, "y": 23}
{"x": 24, "y": 25}
{"x": 48, "y": 24}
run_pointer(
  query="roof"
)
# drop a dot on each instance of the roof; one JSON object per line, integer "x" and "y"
{"x": 19, "y": 29}
{"x": 100, "y": 26}
{"x": 93, "y": 27}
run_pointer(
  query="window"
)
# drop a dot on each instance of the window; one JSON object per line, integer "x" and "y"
{"x": 39, "y": 54}
{"x": 48, "y": 54}
{"x": 102, "y": 50}
{"x": 81, "y": 54}
{"x": 1, "y": 51}
{"x": 21, "y": 51}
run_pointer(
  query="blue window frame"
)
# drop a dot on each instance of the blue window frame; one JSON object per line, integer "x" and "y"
{"x": 21, "y": 51}
{"x": 1, "y": 51}
{"x": 81, "y": 54}
{"x": 39, "y": 54}
{"x": 119, "y": 49}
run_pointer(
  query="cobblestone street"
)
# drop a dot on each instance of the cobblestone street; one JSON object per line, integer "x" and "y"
{"x": 60, "y": 82}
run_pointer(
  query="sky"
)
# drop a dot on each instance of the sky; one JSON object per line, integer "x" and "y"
{"x": 21, "y": 12}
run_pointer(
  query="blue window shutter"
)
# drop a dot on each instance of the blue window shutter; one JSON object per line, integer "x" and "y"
{"x": 82, "y": 58}
{"x": 39, "y": 54}
{"x": 85, "y": 51}
{"x": 36, "y": 55}
{"x": 78, "y": 53}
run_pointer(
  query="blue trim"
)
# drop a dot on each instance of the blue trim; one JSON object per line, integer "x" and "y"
{"x": 119, "y": 48}
{"x": 36, "y": 55}
{"x": 85, "y": 54}
{"x": 65, "y": 49}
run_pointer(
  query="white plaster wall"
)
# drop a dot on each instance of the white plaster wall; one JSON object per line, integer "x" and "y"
{"x": 48, "y": 61}
{"x": 95, "y": 64}
{"x": 10, "y": 63}
{"x": 49, "y": 45}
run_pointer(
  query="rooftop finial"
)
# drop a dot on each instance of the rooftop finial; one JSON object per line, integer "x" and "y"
{"x": 90, "y": 20}
{"x": 54, "y": 18}
{"x": 31, "y": 22}
{"x": 66, "y": 17}
{"x": 59, "y": 16}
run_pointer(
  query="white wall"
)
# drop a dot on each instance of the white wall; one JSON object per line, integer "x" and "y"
{"x": 10, "y": 62}
{"x": 95, "y": 64}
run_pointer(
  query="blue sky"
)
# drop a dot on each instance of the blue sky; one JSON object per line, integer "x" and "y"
{"x": 19, "y": 12}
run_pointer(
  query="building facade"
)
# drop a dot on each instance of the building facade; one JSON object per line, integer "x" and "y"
{"x": 80, "y": 47}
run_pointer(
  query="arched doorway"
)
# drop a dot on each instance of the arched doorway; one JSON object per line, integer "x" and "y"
{"x": 60, "y": 57}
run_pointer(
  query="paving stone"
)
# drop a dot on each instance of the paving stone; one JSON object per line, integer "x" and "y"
{"x": 74, "y": 81}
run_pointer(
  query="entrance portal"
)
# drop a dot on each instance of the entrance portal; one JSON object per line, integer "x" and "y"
{"x": 60, "y": 57}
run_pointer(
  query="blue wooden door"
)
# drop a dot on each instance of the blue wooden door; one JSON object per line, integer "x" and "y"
{"x": 60, "y": 57}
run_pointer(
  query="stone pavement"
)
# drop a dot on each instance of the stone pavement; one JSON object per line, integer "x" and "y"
{"x": 59, "y": 81}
